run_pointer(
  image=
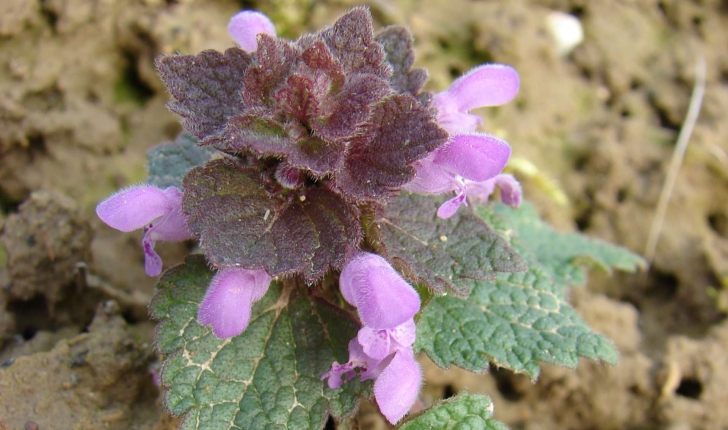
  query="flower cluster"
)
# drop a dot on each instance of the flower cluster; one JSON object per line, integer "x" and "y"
{"x": 382, "y": 349}
{"x": 312, "y": 135}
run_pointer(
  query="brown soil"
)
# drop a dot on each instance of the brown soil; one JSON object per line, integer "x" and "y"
{"x": 80, "y": 104}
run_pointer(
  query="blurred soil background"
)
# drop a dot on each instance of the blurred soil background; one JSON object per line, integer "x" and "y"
{"x": 592, "y": 133}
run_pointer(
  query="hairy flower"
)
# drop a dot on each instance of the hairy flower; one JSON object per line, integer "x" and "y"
{"x": 511, "y": 192}
{"x": 384, "y": 300}
{"x": 485, "y": 85}
{"x": 245, "y": 26}
{"x": 468, "y": 156}
{"x": 383, "y": 347}
{"x": 229, "y": 299}
{"x": 386, "y": 356}
{"x": 157, "y": 211}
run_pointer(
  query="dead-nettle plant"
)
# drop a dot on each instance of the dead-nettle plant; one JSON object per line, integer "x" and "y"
{"x": 318, "y": 178}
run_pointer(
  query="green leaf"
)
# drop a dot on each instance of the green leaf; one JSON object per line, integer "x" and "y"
{"x": 564, "y": 254}
{"x": 441, "y": 253}
{"x": 269, "y": 376}
{"x": 466, "y": 411}
{"x": 521, "y": 319}
{"x": 515, "y": 322}
{"x": 169, "y": 163}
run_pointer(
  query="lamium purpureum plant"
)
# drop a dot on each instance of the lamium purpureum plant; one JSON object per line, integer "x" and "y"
{"x": 347, "y": 224}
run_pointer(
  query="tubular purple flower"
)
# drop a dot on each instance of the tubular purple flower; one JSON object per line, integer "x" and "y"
{"x": 476, "y": 157}
{"x": 397, "y": 387}
{"x": 245, "y": 26}
{"x": 158, "y": 211}
{"x": 473, "y": 157}
{"x": 384, "y": 300}
{"x": 385, "y": 356}
{"x": 486, "y": 85}
{"x": 228, "y": 301}
{"x": 511, "y": 192}
{"x": 468, "y": 156}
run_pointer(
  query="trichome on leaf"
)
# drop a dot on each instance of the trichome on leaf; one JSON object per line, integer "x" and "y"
{"x": 313, "y": 164}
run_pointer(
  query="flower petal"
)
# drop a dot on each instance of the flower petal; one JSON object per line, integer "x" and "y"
{"x": 486, "y": 85}
{"x": 152, "y": 260}
{"x": 448, "y": 209}
{"x": 384, "y": 300}
{"x": 431, "y": 178}
{"x": 475, "y": 156}
{"x": 172, "y": 227}
{"x": 134, "y": 208}
{"x": 396, "y": 389}
{"x": 228, "y": 300}
{"x": 404, "y": 334}
{"x": 244, "y": 26}
{"x": 480, "y": 192}
{"x": 511, "y": 192}
{"x": 374, "y": 343}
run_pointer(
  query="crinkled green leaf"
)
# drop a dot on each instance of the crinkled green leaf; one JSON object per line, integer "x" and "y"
{"x": 267, "y": 377}
{"x": 521, "y": 319}
{"x": 441, "y": 253}
{"x": 515, "y": 322}
{"x": 169, "y": 162}
{"x": 564, "y": 254}
{"x": 466, "y": 411}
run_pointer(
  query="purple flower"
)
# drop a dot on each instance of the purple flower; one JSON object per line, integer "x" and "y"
{"x": 480, "y": 192}
{"x": 469, "y": 156}
{"x": 158, "y": 211}
{"x": 386, "y": 356}
{"x": 486, "y": 85}
{"x": 228, "y": 301}
{"x": 384, "y": 300}
{"x": 245, "y": 26}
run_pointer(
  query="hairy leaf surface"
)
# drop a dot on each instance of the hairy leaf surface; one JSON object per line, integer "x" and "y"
{"x": 241, "y": 223}
{"x": 442, "y": 253}
{"x": 206, "y": 87}
{"x": 169, "y": 162}
{"x": 267, "y": 377}
{"x": 521, "y": 319}
{"x": 351, "y": 40}
{"x": 399, "y": 48}
{"x": 399, "y": 133}
{"x": 471, "y": 411}
{"x": 565, "y": 255}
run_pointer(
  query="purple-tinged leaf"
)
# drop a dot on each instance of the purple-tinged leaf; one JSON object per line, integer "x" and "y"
{"x": 245, "y": 25}
{"x": 347, "y": 109}
{"x": 275, "y": 59}
{"x": 399, "y": 48}
{"x": 380, "y": 159}
{"x": 241, "y": 224}
{"x": 206, "y": 87}
{"x": 297, "y": 98}
{"x": 326, "y": 68}
{"x": 264, "y": 136}
{"x": 441, "y": 253}
{"x": 351, "y": 40}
